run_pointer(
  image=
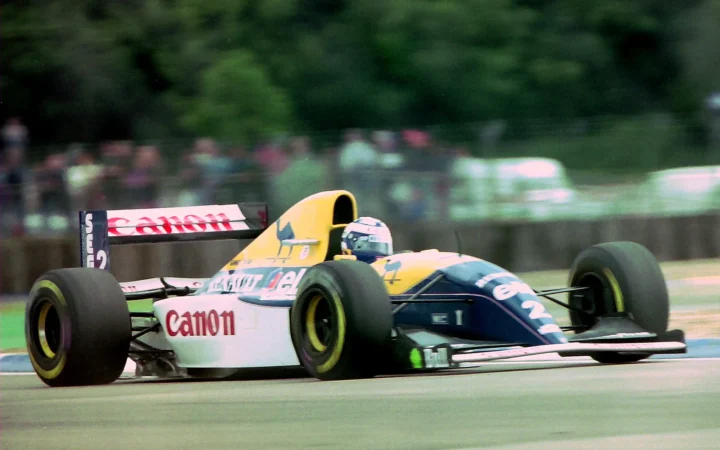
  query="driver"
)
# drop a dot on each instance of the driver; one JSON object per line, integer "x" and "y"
{"x": 368, "y": 239}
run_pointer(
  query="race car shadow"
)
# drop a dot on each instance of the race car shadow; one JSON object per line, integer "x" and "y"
{"x": 515, "y": 366}
{"x": 298, "y": 373}
{"x": 252, "y": 374}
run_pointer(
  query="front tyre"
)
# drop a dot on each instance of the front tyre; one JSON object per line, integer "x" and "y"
{"x": 77, "y": 327}
{"x": 621, "y": 277}
{"x": 341, "y": 321}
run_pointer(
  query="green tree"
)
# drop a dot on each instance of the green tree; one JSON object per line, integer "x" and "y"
{"x": 237, "y": 101}
{"x": 67, "y": 74}
{"x": 92, "y": 69}
{"x": 699, "y": 46}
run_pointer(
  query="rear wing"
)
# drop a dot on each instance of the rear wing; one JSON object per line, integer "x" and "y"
{"x": 101, "y": 229}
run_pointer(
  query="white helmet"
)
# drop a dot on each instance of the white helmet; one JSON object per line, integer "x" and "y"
{"x": 368, "y": 239}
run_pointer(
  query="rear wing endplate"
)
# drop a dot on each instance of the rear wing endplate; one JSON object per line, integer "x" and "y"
{"x": 101, "y": 229}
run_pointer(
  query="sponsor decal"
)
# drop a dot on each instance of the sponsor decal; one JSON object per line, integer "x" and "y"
{"x": 283, "y": 234}
{"x": 367, "y": 229}
{"x": 175, "y": 220}
{"x": 90, "y": 254}
{"x": 651, "y": 347}
{"x": 643, "y": 346}
{"x": 191, "y": 223}
{"x": 285, "y": 283}
{"x": 435, "y": 360}
{"x": 626, "y": 335}
{"x": 305, "y": 252}
{"x": 415, "y": 359}
{"x": 280, "y": 284}
{"x": 440, "y": 319}
{"x": 200, "y": 323}
{"x": 549, "y": 328}
{"x": 509, "y": 290}
{"x": 493, "y": 276}
{"x": 537, "y": 310}
{"x": 391, "y": 267}
{"x": 236, "y": 283}
{"x": 379, "y": 238}
{"x": 277, "y": 297}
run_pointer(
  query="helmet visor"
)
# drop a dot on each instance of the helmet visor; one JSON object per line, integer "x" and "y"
{"x": 374, "y": 244}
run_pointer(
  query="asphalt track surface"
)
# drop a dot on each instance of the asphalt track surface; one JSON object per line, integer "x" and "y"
{"x": 662, "y": 404}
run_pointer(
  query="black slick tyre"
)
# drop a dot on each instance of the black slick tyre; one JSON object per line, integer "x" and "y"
{"x": 622, "y": 277}
{"x": 341, "y": 321}
{"x": 77, "y": 327}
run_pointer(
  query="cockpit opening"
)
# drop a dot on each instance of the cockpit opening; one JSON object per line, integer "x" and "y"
{"x": 343, "y": 211}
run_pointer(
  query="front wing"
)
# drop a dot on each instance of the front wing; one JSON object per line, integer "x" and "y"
{"x": 414, "y": 352}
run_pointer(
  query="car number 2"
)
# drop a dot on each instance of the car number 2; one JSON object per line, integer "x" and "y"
{"x": 538, "y": 310}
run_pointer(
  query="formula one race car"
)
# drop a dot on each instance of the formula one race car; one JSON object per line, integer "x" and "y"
{"x": 291, "y": 298}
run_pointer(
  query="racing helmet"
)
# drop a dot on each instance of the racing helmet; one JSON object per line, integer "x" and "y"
{"x": 368, "y": 239}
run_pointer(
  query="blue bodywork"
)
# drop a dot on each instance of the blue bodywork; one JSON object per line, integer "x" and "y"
{"x": 499, "y": 307}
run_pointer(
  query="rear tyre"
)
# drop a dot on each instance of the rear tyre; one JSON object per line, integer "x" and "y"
{"x": 77, "y": 327}
{"x": 341, "y": 321}
{"x": 623, "y": 277}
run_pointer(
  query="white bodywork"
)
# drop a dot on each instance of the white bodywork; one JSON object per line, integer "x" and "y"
{"x": 573, "y": 347}
{"x": 224, "y": 332}
{"x": 155, "y": 283}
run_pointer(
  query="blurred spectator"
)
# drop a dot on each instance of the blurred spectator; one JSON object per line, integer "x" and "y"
{"x": 14, "y": 135}
{"x": 142, "y": 182}
{"x": 213, "y": 166}
{"x": 300, "y": 149}
{"x": 418, "y": 151}
{"x": 356, "y": 154}
{"x": 242, "y": 162}
{"x": 412, "y": 192}
{"x": 116, "y": 160}
{"x": 388, "y": 155}
{"x": 443, "y": 156}
{"x": 491, "y": 134}
{"x": 245, "y": 182}
{"x": 391, "y": 162}
{"x": 390, "y": 174}
{"x": 190, "y": 181}
{"x": 460, "y": 152}
{"x": 356, "y": 161}
{"x": 13, "y": 179}
{"x": 713, "y": 110}
{"x": 53, "y": 191}
{"x": 272, "y": 158}
{"x": 307, "y": 174}
{"x": 83, "y": 177}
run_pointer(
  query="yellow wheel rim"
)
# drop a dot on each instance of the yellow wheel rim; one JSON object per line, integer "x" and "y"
{"x": 616, "y": 290}
{"x": 59, "y": 366}
{"x": 42, "y": 334}
{"x": 310, "y": 324}
{"x": 340, "y": 341}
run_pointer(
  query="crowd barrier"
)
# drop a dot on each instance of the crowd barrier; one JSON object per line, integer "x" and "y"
{"x": 519, "y": 247}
